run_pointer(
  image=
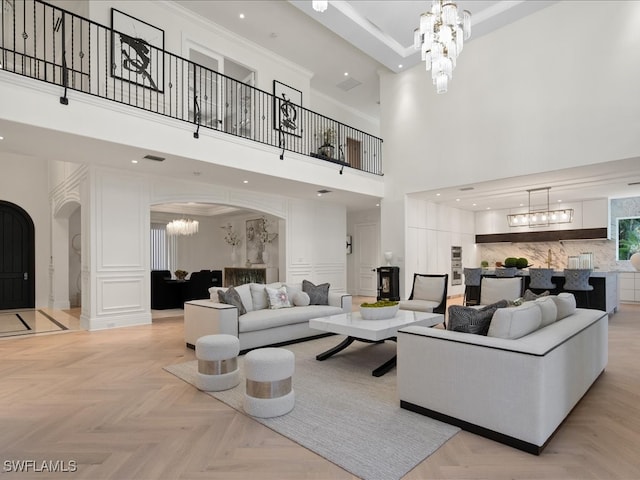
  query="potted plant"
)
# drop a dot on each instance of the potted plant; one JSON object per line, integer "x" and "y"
{"x": 380, "y": 310}
{"x": 328, "y": 139}
{"x": 181, "y": 274}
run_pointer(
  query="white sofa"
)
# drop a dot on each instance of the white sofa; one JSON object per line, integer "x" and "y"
{"x": 260, "y": 326}
{"x": 513, "y": 390}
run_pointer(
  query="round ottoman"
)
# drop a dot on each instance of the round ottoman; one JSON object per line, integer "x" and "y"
{"x": 217, "y": 362}
{"x": 269, "y": 392}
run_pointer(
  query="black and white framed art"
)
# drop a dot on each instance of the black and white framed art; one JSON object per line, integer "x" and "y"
{"x": 286, "y": 108}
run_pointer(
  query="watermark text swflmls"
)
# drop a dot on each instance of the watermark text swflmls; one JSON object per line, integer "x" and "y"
{"x": 39, "y": 466}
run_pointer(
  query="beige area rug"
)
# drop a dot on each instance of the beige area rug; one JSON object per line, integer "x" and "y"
{"x": 345, "y": 414}
{"x": 27, "y": 322}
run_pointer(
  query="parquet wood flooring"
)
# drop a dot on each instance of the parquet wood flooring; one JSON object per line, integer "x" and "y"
{"x": 103, "y": 400}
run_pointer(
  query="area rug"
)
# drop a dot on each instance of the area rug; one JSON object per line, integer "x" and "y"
{"x": 345, "y": 414}
{"x": 27, "y": 322}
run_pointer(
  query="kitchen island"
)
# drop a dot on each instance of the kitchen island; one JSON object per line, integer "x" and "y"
{"x": 604, "y": 295}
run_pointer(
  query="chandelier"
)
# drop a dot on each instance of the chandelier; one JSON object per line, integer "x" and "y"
{"x": 319, "y": 5}
{"x": 440, "y": 38}
{"x": 542, "y": 215}
{"x": 182, "y": 227}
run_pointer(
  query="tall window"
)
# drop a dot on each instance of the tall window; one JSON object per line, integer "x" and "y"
{"x": 163, "y": 248}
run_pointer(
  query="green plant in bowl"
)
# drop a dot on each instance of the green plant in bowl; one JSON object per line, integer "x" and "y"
{"x": 522, "y": 262}
{"x": 379, "y": 303}
{"x": 510, "y": 262}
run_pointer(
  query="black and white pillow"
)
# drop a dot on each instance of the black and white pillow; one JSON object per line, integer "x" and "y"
{"x": 232, "y": 297}
{"x": 318, "y": 294}
{"x": 473, "y": 320}
{"x": 530, "y": 296}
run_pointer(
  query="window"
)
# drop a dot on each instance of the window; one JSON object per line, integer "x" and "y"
{"x": 628, "y": 237}
{"x": 163, "y": 248}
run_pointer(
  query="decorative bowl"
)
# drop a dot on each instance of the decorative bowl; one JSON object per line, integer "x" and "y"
{"x": 379, "y": 313}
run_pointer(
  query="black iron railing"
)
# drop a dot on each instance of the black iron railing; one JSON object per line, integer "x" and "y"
{"x": 53, "y": 45}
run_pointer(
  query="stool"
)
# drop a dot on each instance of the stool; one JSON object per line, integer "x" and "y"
{"x": 217, "y": 362}
{"x": 472, "y": 277}
{"x": 577, "y": 280}
{"x": 540, "y": 279}
{"x": 269, "y": 391}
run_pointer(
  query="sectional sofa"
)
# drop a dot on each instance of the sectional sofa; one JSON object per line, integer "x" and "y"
{"x": 261, "y": 325}
{"x": 516, "y": 387}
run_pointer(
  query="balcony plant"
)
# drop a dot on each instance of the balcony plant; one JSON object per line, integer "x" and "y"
{"x": 328, "y": 138}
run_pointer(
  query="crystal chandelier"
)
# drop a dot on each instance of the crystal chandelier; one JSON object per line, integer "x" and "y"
{"x": 440, "y": 38}
{"x": 319, "y": 5}
{"x": 182, "y": 227}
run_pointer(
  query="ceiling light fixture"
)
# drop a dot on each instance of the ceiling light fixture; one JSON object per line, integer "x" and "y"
{"x": 182, "y": 227}
{"x": 319, "y": 5}
{"x": 440, "y": 38}
{"x": 540, "y": 215}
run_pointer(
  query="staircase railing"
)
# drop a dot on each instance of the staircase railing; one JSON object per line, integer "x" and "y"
{"x": 47, "y": 43}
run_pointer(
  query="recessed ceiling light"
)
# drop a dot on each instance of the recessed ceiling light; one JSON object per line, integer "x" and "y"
{"x": 488, "y": 208}
{"x": 474, "y": 204}
{"x": 241, "y": 16}
{"x": 522, "y": 204}
{"x": 319, "y": 194}
{"x": 1, "y": 138}
{"x": 457, "y": 199}
{"x": 400, "y": 66}
{"x": 559, "y": 201}
{"x": 134, "y": 161}
{"x": 346, "y": 74}
{"x": 377, "y": 204}
{"x": 245, "y": 181}
{"x": 437, "y": 194}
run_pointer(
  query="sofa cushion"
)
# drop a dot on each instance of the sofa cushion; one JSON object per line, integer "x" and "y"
{"x": 232, "y": 297}
{"x": 428, "y": 288}
{"x": 265, "y": 319}
{"x": 565, "y": 303}
{"x": 300, "y": 298}
{"x": 278, "y": 298}
{"x": 472, "y": 320}
{"x": 515, "y": 322}
{"x": 259, "y": 296}
{"x": 548, "y": 309}
{"x": 318, "y": 294}
{"x": 529, "y": 295}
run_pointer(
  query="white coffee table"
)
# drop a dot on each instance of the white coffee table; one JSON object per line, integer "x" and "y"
{"x": 371, "y": 331}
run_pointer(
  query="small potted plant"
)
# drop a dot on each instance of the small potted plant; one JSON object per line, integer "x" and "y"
{"x": 380, "y": 310}
{"x": 181, "y": 274}
{"x": 328, "y": 139}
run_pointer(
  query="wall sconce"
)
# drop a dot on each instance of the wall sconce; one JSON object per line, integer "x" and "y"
{"x": 349, "y": 245}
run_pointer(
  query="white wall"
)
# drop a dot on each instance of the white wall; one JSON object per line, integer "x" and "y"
{"x": 554, "y": 90}
{"x": 432, "y": 230}
{"x": 24, "y": 182}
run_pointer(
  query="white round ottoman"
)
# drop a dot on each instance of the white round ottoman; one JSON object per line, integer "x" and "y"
{"x": 269, "y": 391}
{"x": 217, "y": 362}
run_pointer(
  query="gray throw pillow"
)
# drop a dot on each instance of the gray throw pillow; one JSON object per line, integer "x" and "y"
{"x": 232, "y": 297}
{"x": 473, "y": 320}
{"x": 530, "y": 296}
{"x": 318, "y": 294}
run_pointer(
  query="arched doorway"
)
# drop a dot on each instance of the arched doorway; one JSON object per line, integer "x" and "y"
{"x": 17, "y": 257}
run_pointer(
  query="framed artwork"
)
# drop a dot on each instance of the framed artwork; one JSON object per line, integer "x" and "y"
{"x": 287, "y": 102}
{"x": 254, "y": 242}
{"x": 628, "y": 237}
{"x": 137, "y": 51}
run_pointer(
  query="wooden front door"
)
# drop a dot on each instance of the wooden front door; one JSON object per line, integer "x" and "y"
{"x": 17, "y": 258}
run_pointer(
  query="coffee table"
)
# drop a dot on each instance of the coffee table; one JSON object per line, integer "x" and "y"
{"x": 371, "y": 331}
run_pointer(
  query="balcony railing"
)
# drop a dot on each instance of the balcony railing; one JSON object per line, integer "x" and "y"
{"x": 53, "y": 45}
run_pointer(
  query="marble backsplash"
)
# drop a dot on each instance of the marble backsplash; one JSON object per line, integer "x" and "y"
{"x": 604, "y": 252}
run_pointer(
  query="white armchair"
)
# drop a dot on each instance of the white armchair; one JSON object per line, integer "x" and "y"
{"x": 428, "y": 294}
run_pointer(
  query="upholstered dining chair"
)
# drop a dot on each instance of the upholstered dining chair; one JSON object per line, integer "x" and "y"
{"x": 577, "y": 280}
{"x": 493, "y": 289}
{"x": 506, "y": 272}
{"x": 472, "y": 277}
{"x": 540, "y": 279}
{"x": 428, "y": 293}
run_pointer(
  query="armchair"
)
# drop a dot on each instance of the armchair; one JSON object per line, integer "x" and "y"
{"x": 493, "y": 289}
{"x": 428, "y": 293}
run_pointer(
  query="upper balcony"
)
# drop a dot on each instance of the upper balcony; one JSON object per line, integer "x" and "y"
{"x": 53, "y": 45}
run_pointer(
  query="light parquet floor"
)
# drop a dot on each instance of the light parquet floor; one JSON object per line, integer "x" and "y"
{"x": 103, "y": 400}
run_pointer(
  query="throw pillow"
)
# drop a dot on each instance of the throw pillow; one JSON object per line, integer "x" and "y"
{"x": 300, "y": 299}
{"x": 278, "y": 297}
{"x": 515, "y": 322}
{"x": 318, "y": 294}
{"x": 259, "y": 296}
{"x": 232, "y": 297}
{"x": 472, "y": 320}
{"x": 548, "y": 309}
{"x": 530, "y": 296}
{"x": 565, "y": 303}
